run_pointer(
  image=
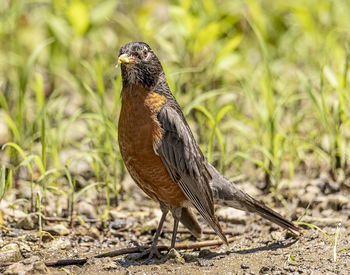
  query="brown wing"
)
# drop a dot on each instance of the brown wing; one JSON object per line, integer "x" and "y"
{"x": 185, "y": 163}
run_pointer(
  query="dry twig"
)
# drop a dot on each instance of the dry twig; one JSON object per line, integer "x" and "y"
{"x": 206, "y": 232}
{"x": 181, "y": 246}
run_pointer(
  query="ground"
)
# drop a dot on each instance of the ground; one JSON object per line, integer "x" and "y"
{"x": 259, "y": 247}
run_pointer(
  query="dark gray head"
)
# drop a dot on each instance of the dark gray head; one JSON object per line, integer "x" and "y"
{"x": 139, "y": 65}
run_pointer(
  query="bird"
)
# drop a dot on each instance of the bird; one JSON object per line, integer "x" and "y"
{"x": 162, "y": 156}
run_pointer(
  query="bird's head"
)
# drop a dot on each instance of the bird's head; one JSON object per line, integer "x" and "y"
{"x": 139, "y": 65}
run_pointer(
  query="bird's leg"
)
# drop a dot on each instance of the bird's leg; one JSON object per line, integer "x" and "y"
{"x": 173, "y": 238}
{"x": 153, "y": 250}
{"x": 177, "y": 212}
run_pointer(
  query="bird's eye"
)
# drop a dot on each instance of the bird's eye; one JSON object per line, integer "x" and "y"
{"x": 145, "y": 53}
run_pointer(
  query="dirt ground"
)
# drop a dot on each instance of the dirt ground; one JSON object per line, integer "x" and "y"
{"x": 259, "y": 247}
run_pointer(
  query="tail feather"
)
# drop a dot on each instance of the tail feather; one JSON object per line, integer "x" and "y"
{"x": 228, "y": 194}
{"x": 255, "y": 206}
{"x": 189, "y": 220}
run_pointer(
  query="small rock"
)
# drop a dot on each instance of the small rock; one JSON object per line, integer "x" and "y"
{"x": 54, "y": 203}
{"x": 175, "y": 257}
{"x": 118, "y": 224}
{"x": 244, "y": 266}
{"x": 204, "y": 262}
{"x": 114, "y": 214}
{"x": 28, "y": 222}
{"x": 81, "y": 230}
{"x": 21, "y": 268}
{"x": 87, "y": 210}
{"x": 173, "y": 253}
{"x": 103, "y": 263}
{"x": 17, "y": 214}
{"x": 13, "y": 233}
{"x": 57, "y": 229}
{"x": 88, "y": 234}
{"x": 24, "y": 248}
{"x": 289, "y": 268}
{"x": 31, "y": 260}
{"x": 110, "y": 265}
{"x": 86, "y": 244}
{"x": 94, "y": 233}
{"x": 31, "y": 238}
{"x": 277, "y": 236}
{"x": 10, "y": 253}
{"x": 59, "y": 243}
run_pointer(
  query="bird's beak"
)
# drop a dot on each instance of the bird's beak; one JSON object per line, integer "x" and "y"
{"x": 124, "y": 58}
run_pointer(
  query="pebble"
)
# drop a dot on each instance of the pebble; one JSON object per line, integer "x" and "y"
{"x": 87, "y": 210}
{"x": 27, "y": 267}
{"x": 57, "y": 229}
{"x": 277, "y": 235}
{"x": 118, "y": 224}
{"x": 203, "y": 262}
{"x": 103, "y": 263}
{"x": 244, "y": 266}
{"x": 17, "y": 214}
{"x": 289, "y": 268}
{"x": 28, "y": 222}
{"x": 94, "y": 233}
{"x": 31, "y": 238}
{"x": 10, "y": 253}
{"x": 175, "y": 257}
{"x": 24, "y": 248}
{"x": 60, "y": 244}
{"x": 114, "y": 214}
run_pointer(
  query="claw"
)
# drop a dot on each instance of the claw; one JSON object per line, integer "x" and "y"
{"x": 152, "y": 251}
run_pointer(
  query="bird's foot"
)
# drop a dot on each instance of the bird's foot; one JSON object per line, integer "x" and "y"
{"x": 148, "y": 253}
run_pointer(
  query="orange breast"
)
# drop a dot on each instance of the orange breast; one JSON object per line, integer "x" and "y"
{"x": 138, "y": 129}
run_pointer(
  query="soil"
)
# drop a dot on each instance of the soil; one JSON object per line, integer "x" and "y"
{"x": 259, "y": 246}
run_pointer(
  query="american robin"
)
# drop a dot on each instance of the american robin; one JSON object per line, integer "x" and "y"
{"x": 162, "y": 156}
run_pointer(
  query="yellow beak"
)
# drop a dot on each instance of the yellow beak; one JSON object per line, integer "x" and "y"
{"x": 124, "y": 58}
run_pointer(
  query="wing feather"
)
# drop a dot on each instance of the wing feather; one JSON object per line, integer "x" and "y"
{"x": 185, "y": 163}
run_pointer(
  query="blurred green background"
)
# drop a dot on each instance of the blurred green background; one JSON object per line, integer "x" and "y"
{"x": 264, "y": 85}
